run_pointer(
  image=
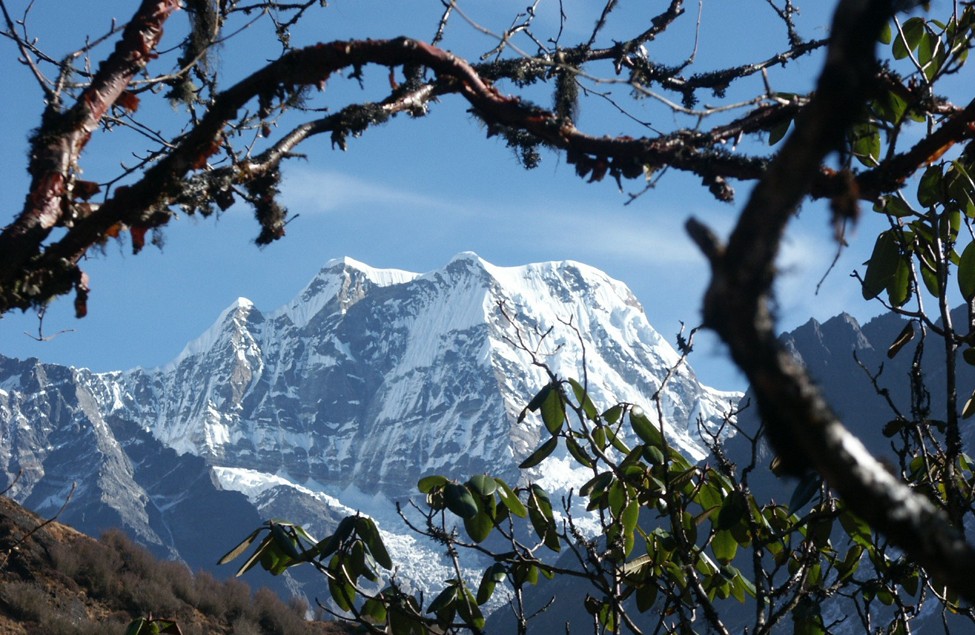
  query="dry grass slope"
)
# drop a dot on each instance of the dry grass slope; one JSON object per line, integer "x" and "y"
{"x": 61, "y": 582}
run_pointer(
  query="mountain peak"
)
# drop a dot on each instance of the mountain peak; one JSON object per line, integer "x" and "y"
{"x": 240, "y": 312}
{"x": 468, "y": 256}
{"x": 342, "y": 280}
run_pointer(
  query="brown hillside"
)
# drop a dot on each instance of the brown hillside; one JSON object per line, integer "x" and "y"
{"x": 58, "y": 581}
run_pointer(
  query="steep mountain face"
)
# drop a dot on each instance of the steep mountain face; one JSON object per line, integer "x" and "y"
{"x": 341, "y": 399}
{"x": 850, "y": 364}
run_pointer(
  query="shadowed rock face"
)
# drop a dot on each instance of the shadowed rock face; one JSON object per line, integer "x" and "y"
{"x": 367, "y": 381}
{"x": 845, "y": 358}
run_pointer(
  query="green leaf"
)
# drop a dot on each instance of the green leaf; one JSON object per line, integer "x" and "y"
{"x": 540, "y": 454}
{"x": 882, "y": 266}
{"x": 374, "y": 610}
{"x": 539, "y": 500}
{"x": 929, "y": 189}
{"x": 969, "y": 408}
{"x": 483, "y": 485}
{"x": 339, "y": 586}
{"x": 273, "y": 559}
{"x": 886, "y": 34}
{"x": 961, "y": 186}
{"x": 630, "y": 517}
{"x": 479, "y": 527}
{"x": 240, "y": 548}
{"x": 897, "y": 207}
{"x": 511, "y": 500}
{"x": 370, "y": 535}
{"x": 807, "y": 619}
{"x": 724, "y": 546}
{"x": 616, "y": 441}
{"x": 891, "y": 107}
{"x": 653, "y": 454}
{"x": 468, "y": 610}
{"x": 644, "y": 428}
{"x": 912, "y": 31}
{"x": 778, "y": 132}
{"x": 617, "y": 498}
{"x": 931, "y": 281}
{"x": 255, "y": 557}
{"x": 849, "y": 565}
{"x": 966, "y": 272}
{"x": 327, "y": 546}
{"x": 949, "y": 224}
{"x": 866, "y": 144}
{"x": 596, "y": 484}
{"x": 537, "y": 400}
{"x": 523, "y": 572}
{"x": 355, "y": 563}
{"x": 894, "y": 426}
{"x": 583, "y": 398}
{"x": 732, "y": 511}
{"x": 646, "y": 595}
{"x": 492, "y": 576}
{"x": 607, "y": 617}
{"x": 402, "y": 623}
{"x": 926, "y": 47}
{"x": 709, "y": 495}
{"x": 899, "y": 286}
{"x": 444, "y": 600}
{"x": 931, "y": 54}
{"x": 578, "y": 453}
{"x": 858, "y": 530}
{"x": 805, "y": 490}
{"x": 612, "y": 415}
{"x": 541, "y": 517}
{"x": 135, "y": 626}
{"x": 905, "y": 336}
{"x": 599, "y": 437}
{"x": 553, "y": 411}
{"x": 286, "y": 542}
{"x": 428, "y": 483}
{"x": 459, "y": 500}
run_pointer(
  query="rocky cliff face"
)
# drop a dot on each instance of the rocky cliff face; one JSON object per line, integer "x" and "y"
{"x": 341, "y": 399}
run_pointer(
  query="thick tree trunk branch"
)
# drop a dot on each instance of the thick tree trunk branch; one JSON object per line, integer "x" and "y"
{"x": 58, "y": 143}
{"x": 801, "y": 426}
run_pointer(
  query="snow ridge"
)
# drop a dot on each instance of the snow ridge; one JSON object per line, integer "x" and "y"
{"x": 366, "y": 381}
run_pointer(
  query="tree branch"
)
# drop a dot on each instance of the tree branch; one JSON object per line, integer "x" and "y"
{"x": 801, "y": 426}
{"x": 58, "y": 144}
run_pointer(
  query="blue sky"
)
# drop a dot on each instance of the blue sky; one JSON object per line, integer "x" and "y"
{"x": 413, "y": 193}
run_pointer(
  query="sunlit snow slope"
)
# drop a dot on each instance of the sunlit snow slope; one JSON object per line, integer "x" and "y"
{"x": 341, "y": 399}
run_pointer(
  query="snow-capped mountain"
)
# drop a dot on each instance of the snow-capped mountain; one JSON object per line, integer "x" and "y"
{"x": 340, "y": 400}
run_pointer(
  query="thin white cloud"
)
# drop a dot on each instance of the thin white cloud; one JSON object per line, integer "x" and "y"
{"x": 604, "y": 230}
{"x": 311, "y": 191}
